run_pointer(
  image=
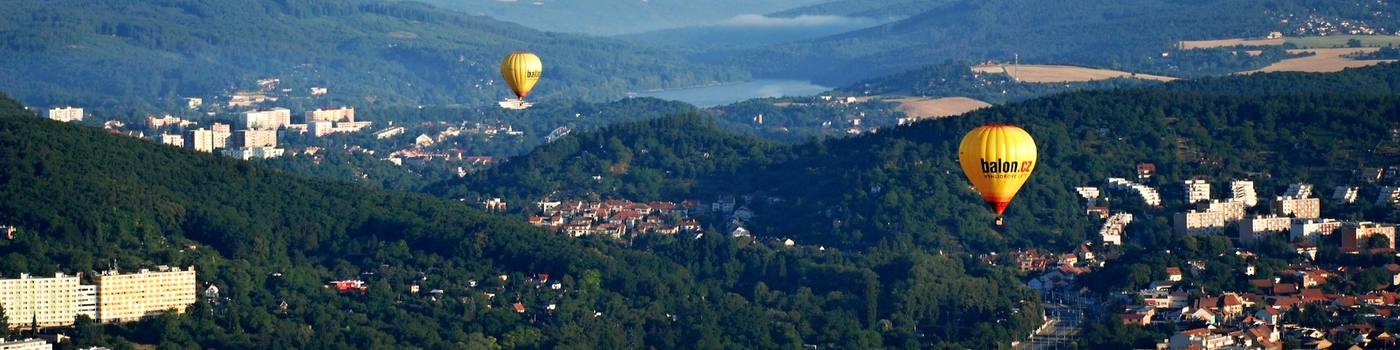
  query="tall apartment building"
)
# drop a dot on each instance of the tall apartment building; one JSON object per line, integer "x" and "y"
{"x": 1302, "y": 208}
{"x": 266, "y": 119}
{"x": 66, "y": 114}
{"x": 1233, "y": 210}
{"x": 256, "y": 138}
{"x": 1312, "y": 229}
{"x": 201, "y": 140}
{"x": 1112, "y": 230}
{"x": 1256, "y": 227}
{"x": 87, "y": 301}
{"x": 129, "y": 297}
{"x": 1243, "y": 191}
{"x": 222, "y": 133}
{"x": 1388, "y": 195}
{"x": 1356, "y": 235}
{"x": 50, "y": 301}
{"x": 343, "y": 114}
{"x": 1197, "y": 191}
{"x": 1199, "y": 222}
{"x": 173, "y": 139}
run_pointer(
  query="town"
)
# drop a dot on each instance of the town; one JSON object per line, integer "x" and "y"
{"x": 1313, "y": 301}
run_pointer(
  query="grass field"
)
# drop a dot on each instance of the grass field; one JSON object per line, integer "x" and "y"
{"x": 924, "y": 107}
{"x": 1337, "y": 41}
{"x": 1206, "y": 44}
{"x": 1323, "y": 60}
{"x": 1037, "y": 73}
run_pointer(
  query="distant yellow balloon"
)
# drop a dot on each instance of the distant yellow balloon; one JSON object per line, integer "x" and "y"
{"x": 997, "y": 159}
{"x": 521, "y": 70}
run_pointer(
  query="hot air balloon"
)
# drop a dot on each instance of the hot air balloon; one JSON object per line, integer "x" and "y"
{"x": 997, "y": 159}
{"x": 521, "y": 70}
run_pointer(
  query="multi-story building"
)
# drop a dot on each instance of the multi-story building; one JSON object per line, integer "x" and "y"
{"x": 1243, "y": 191}
{"x": 1233, "y": 210}
{"x": 389, "y": 132}
{"x": 343, "y": 114}
{"x": 66, "y": 114}
{"x": 256, "y": 138}
{"x": 1298, "y": 190}
{"x": 1258, "y": 226}
{"x": 1145, "y": 171}
{"x": 87, "y": 301}
{"x": 1199, "y": 222}
{"x": 246, "y": 153}
{"x": 1197, "y": 191}
{"x": 176, "y": 140}
{"x": 201, "y": 140}
{"x": 222, "y": 133}
{"x": 1112, "y": 230}
{"x": 1345, "y": 194}
{"x": 1302, "y": 208}
{"x": 1312, "y": 229}
{"x": 266, "y": 119}
{"x": 49, "y": 301}
{"x": 129, "y": 297}
{"x": 1149, "y": 194}
{"x": 25, "y": 344}
{"x": 1356, "y": 235}
{"x": 1388, "y": 195}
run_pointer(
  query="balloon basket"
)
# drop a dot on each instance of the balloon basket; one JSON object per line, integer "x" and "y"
{"x": 513, "y": 103}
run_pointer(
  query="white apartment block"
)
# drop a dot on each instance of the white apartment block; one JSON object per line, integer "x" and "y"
{"x": 25, "y": 344}
{"x": 390, "y": 132}
{"x": 1112, "y": 230}
{"x": 1197, "y": 191}
{"x": 343, "y": 114}
{"x": 66, "y": 114}
{"x": 1345, "y": 194}
{"x": 1258, "y": 226}
{"x": 87, "y": 301}
{"x": 266, "y": 119}
{"x": 246, "y": 153}
{"x": 129, "y": 297}
{"x": 1233, "y": 210}
{"x": 1312, "y": 229}
{"x": 1243, "y": 191}
{"x": 50, "y": 301}
{"x": 201, "y": 140}
{"x": 256, "y": 138}
{"x": 1199, "y": 222}
{"x": 1388, "y": 194}
{"x": 1302, "y": 208}
{"x": 1298, "y": 190}
{"x": 1149, "y": 195}
{"x": 173, "y": 140}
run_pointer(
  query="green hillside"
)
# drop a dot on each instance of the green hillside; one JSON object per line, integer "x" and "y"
{"x": 150, "y": 54}
{"x": 903, "y": 184}
{"x": 83, "y": 198}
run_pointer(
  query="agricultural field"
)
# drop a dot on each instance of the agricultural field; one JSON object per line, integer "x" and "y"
{"x": 1038, "y": 73}
{"x": 1207, "y": 44}
{"x": 924, "y": 107}
{"x": 1340, "y": 41}
{"x": 1322, "y": 60}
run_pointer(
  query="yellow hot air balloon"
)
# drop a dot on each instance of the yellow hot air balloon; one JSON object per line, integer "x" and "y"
{"x": 997, "y": 159}
{"x": 521, "y": 70}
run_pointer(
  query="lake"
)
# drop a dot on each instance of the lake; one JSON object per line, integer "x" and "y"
{"x": 710, "y": 96}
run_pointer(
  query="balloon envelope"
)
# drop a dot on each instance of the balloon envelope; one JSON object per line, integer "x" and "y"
{"x": 521, "y": 70}
{"x": 997, "y": 159}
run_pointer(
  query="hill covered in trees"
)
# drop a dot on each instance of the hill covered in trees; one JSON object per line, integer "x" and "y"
{"x": 903, "y": 184}
{"x": 83, "y": 199}
{"x": 151, "y": 54}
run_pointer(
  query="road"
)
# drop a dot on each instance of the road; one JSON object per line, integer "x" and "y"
{"x": 1065, "y": 311}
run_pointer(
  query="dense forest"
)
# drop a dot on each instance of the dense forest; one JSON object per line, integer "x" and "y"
{"x": 903, "y": 184}
{"x": 149, "y": 55}
{"x": 83, "y": 199}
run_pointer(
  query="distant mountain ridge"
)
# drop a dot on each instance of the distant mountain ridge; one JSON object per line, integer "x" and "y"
{"x": 152, "y": 54}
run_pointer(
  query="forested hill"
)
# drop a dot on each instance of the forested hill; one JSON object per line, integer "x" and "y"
{"x": 903, "y": 184}
{"x": 1127, "y": 35}
{"x": 83, "y": 199}
{"x": 152, "y": 53}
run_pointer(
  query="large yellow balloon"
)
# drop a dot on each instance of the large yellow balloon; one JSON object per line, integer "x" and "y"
{"x": 997, "y": 158}
{"x": 521, "y": 70}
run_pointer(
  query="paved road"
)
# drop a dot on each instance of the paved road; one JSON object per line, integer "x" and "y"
{"x": 1066, "y": 315}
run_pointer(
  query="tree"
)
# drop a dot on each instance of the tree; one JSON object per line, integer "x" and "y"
{"x": 4, "y": 324}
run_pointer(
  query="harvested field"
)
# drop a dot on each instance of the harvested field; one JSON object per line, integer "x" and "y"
{"x": 1206, "y": 44}
{"x": 1323, "y": 61}
{"x": 924, "y": 107}
{"x": 1037, "y": 73}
